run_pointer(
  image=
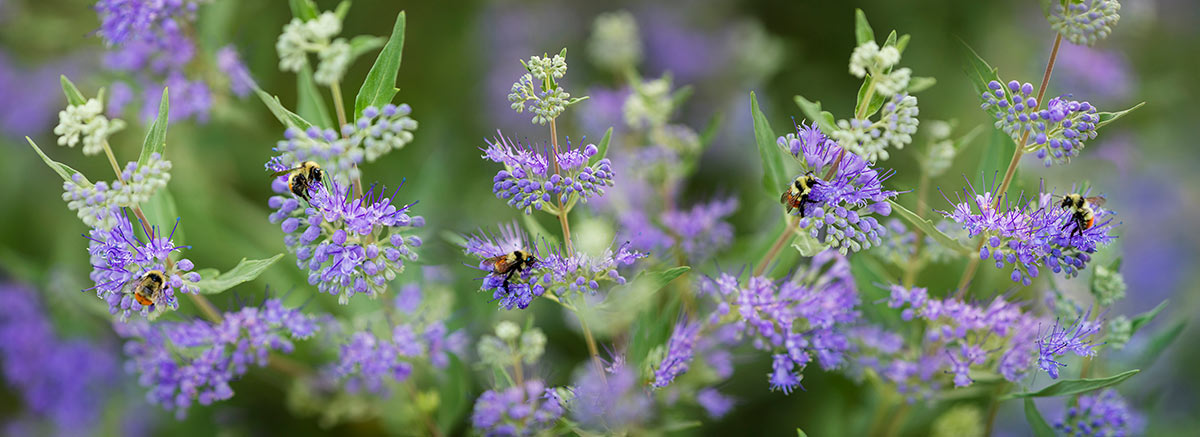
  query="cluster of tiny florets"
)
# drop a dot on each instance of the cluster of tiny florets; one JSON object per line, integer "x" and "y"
{"x": 1056, "y": 133}
{"x": 870, "y": 139}
{"x": 532, "y": 179}
{"x": 94, "y": 202}
{"x": 86, "y": 124}
{"x": 119, "y": 259}
{"x": 299, "y": 38}
{"x": 376, "y": 133}
{"x": 1084, "y": 22}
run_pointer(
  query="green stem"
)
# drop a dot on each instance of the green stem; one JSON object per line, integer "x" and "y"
{"x": 784, "y": 237}
{"x": 591, "y": 345}
{"x": 914, "y": 265}
{"x": 339, "y": 106}
{"x": 562, "y": 212}
{"x": 973, "y": 264}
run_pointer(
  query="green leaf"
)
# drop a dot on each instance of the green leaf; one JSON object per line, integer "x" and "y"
{"x": 997, "y": 155}
{"x": 681, "y": 96}
{"x": 285, "y": 117}
{"x": 362, "y": 44}
{"x": 775, "y": 175}
{"x": 651, "y": 329}
{"x": 1069, "y": 387}
{"x": 1109, "y": 117}
{"x": 163, "y": 215}
{"x": 1039, "y": 425}
{"x": 1144, "y": 318}
{"x": 74, "y": 97}
{"x": 711, "y": 130}
{"x": 813, "y": 112}
{"x": 342, "y": 9}
{"x": 63, "y": 170}
{"x": 246, "y": 270}
{"x": 918, "y": 84}
{"x": 304, "y": 9}
{"x": 1045, "y": 4}
{"x": 877, "y": 99}
{"x": 979, "y": 71}
{"x": 156, "y": 137}
{"x": 380, "y": 85}
{"x": 1160, "y": 342}
{"x": 309, "y": 103}
{"x": 927, "y": 227}
{"x": 862, "y": 29}
{"x": 903, "y": 42}
{"x": 800, "y": 433}
{"x": 806, "y": 244}
{"x": 891, "y": 39}
{"x": 601, "y": 148}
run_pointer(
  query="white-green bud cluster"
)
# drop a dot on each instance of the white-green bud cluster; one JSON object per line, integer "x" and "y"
{"x": 959, "y": 421}
{"x": 540, "y": 87}
{"x": 299, "y": 38}
{"x": 92, "y": 203}
{"x": 86, "y": 124}
{"x": 868, "y": 58}
{"x": 1120, "y": 329}
{"x": 941, "y": 152}
{"x": 615, "y": 44}
{"x": 1084, "y": 22}
{"x": 1108, "y": 285}
{"x": 510, "y": 345}
{"x": 870, "y": 139}
{"x": 649, "y": 105}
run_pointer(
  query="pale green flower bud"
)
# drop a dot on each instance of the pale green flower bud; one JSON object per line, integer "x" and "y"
{"x": 1120, "y": 329}
{"x": 533, "y": 345}
{"x": 335, "y": 58}
{"x": 615, "y": 44}
{"x": 86, "y": 123}
{"x": 959, "y": 421}
{"x": 650, "y": 104}
{"x": 507, "y": 331}
{"x": 1108, "y": 285}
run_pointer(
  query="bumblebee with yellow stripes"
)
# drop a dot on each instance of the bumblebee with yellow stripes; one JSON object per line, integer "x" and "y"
{"x": 799, "y": 192}
{"x": 511, "y": 263}
{"x": 148, "y": 289}
{"x": 1082, "y": 214}
{"x": 302, "y": 178}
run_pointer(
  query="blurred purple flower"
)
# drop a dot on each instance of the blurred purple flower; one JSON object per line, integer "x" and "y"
{"x": 1076, "y": 339}
{"x": 1104, "y": 75}
{"x": 612, "y": 403}
{"x": 714, "y": 403}
{"x": 679, "y": 353}
{"x": 1104, "y": 413}
{"x": 517, "y": 411}
{"x": 231, "y": 64}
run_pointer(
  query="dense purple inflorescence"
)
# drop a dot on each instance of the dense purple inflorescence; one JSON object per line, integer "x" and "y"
{"x": 532, "y": 179}
{"x": 517, "y": 411}
{"x": 120, "y": 260}
{"x": 1103, "y": 413}
{"x": 1055, "y": 133}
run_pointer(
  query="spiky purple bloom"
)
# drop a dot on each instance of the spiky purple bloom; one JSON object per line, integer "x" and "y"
{"x": 534, "y": 179}
{"x": 119, "y": 259}
{"x": 375, "y": 133}
{"x": 610, "y": 404}
{"x": 1076, "y": 338}
{"x": 680, "y": 349}
{"x": 62, "y": 380}
{"x": 796, "y": 319}
{"x": 1055, "y": 133}
{"x": 230, "y": 63}
{"x": 124, "y": 20}
{"x": 841, "y": 208}
{"x": 348, "y": 245}
{"x": 1102, "y": 414}
{"x": 517, "y": 411}
{"x": 555, "y": 270}
{"x": 182, "y": 363}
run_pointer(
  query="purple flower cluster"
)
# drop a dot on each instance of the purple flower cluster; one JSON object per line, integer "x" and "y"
{"x": 194, "y": 361}
{"x": 535, "y": 180}
{"x": 680, "y": 348}
{"x": 1031, "y": 234}
{"x": 1100, "y": 414}
{"x": 62, "y": 380}
{"x": 555, "y": 270}
{"x": 230, "y": 63}
{"x": 611, "y": 403}
{"x": 348, "y": 245}
{"x": 1084, "y": 22}
{"x": 120, "y": 260}
{"x": 1076, "y": 338}
{"x": 374, "y": 134}
{"x": 796, "y": 319}
{"x": 93, "y": 202}
{"x": 517, "y": 411}
{"x": 839, "y": 214}
{"x": 149, "y": 39}
{"x": 1056, "y": 133}
{"x": 701, "y": 230}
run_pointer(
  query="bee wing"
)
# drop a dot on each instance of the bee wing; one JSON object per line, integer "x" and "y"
{"x": 1098, "y": 201}
{"x": 283, "y": 172}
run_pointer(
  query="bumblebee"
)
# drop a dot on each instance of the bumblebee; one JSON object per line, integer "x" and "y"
{"x": 798, "y": 193}
{"x": 1082, "y": 214}
{"x": 511, "y": 263}
{"x": 148, "y": 289}
{"x": 302, "y": 178}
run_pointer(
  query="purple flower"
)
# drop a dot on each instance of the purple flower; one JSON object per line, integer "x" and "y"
{"x": 231, "y": 64}
{"x": 1085, "y": 21}
{"x": 1031, "y": 234}
{"x": 610, "y": 404}
{"x": 1100, "y": 414}
{"x": 1055, "y": 133}
{"x": 839, "y": 213}
{"x": 122, "y": 21}
{"x": 517, "y": 411}
{"x": 679, "y": 353}
{"x": 375, "y": 133}
{"x": 195, "y": 361}
{"x": 119, "y": 260}
{"x": 554, "y": 270}
{"x": 703, "y": 229}
{"x": 348, "y": 245}
{"x": 797, "y": 319}
{"x": 62, "y": 380}
{"x": 714, "y": 403}
{"x": 1105, "y": 75}
{"x": 1076, "y": 339}
{"x": 535, "y": 180}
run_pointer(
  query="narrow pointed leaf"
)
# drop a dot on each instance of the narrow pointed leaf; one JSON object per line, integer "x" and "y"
{"x": 304, "y": 9}
{"x": 812, "y": 111}
{"x": 774, "y": 173}
{"x": 927, "y": 227}
{"x": 1144, "y": 318}
{"x": 862, "y": 28}
{"x": 877, "y": 100}
{"x": 380, "y": 85}
{"x": 1036, "y": 422}
{"x": 918, "y": 84}
{"x": 310, "y": 104}
{"x": 156, "y": 137}
{"x": 1069, "y": 387}
{"x": 74, "y": 97}
{"x": 363, "y": 44}
{"x": 63, "y": 170}
{"x": 1159, "y": 343}
{"x": 342, "y": 9}
{"x": 601, "y": 148}
{"x": 245, "y": 271}
{"x": 978, "y": 70}
{"x": 286, "y": 118}
{"x": 1109, "y": 117}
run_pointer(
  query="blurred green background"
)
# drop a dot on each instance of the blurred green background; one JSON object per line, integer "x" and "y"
{"x": 460, "y": 58}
